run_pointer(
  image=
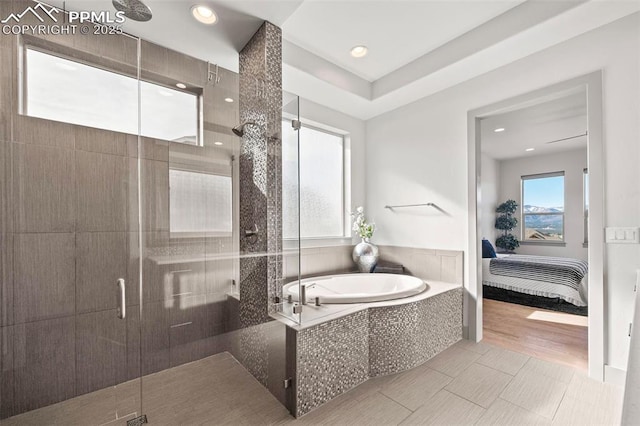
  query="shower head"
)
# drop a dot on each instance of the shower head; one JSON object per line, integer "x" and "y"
{"x": 239, "y": 129}
{"x": 133, "y": 9}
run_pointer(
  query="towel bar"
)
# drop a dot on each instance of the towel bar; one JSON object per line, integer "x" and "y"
{"x": 410, "y": 205}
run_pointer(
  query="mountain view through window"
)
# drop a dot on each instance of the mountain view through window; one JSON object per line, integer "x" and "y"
{"x": 543, "y": 207}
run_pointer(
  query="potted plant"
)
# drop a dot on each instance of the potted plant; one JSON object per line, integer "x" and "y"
{"x": 506, "y": 222}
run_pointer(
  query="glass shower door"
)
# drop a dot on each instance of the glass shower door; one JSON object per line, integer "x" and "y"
{"x": 291, "y": 302}
{"x": 189, "y": 216}
{"x": 69, "y": 337}
{"x": 212, "y": 255}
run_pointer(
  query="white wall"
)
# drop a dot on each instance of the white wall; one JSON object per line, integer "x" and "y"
{"x": 572, "y": 163}
{"x": 418, "y": 153}
{"x": 489, "y": 196}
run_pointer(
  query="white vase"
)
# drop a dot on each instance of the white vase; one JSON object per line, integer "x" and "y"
{"x": 365, "y": 255}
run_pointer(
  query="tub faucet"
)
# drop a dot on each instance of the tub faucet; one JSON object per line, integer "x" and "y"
{"x": 303, "y": 294}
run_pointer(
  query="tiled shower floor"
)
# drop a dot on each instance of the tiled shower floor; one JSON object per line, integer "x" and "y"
{"x": 466, "y": 384}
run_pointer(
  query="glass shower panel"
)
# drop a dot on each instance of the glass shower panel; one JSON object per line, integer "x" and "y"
{"x": 190, "y": 237}
{"x": 290, "y": 208}
{"x": 69, "y": 232}
{"x": 212, "y": 258}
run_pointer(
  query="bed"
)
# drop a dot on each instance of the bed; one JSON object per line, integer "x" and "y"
{"x": 549, "y": 277}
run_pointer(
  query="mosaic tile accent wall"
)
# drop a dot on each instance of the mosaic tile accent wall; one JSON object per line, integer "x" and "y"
{"x": 260, "y": 174}
{"x": 332, "y": 358}
{"x": 403, "y": 337}
{"x": 254, "y": 353}
{"x": 338, "y": 355}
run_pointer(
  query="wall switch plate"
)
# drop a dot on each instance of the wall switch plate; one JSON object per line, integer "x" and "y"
{"x": 622, "y": 235}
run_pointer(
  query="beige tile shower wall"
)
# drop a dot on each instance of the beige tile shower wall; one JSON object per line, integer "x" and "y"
{"x": 66, "y": 195}
{"x": 437, "y": 265}
{"x": 69, "y": 229}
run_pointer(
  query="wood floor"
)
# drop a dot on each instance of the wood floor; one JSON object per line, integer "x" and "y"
{"x": 549, "y": 335}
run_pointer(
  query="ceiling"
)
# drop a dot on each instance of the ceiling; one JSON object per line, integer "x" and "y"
{"x": 547, "y": 126}
{"x": 416, "y": 47}
{"x": 173, "y": 25}
{"x": 396, "y": 32}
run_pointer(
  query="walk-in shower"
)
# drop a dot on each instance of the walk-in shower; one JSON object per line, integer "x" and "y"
{"x": 119, "y": 170}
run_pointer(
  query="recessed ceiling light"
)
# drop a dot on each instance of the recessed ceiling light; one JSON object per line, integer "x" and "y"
{"x": 499, "y": 129}
{"x": 530, "y": 149}
{"x": 228, "y": 100}
{"x": 181, "y": 86}
{"x": 359, "y": 51}
{"x": 204, "y": 14}
{"x": 218, "y": 143}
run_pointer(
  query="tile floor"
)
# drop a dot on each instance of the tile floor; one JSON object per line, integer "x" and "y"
{"x": 466, "y": 384}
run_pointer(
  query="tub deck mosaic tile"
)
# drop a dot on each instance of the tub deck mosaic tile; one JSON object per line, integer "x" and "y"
{"x": 337, "y": 355}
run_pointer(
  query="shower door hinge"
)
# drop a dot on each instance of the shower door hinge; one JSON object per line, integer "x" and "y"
{"x": 138, "y": 421}
{"x": 296, "y": 124}
{"x": 287, "y": 383}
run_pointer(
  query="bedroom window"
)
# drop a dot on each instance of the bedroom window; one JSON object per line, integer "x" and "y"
{"x": 322, "y": 183}
{"x": 543, "y": 207}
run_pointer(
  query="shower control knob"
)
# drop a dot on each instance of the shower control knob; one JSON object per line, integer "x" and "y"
{"x": 251, "y": 232}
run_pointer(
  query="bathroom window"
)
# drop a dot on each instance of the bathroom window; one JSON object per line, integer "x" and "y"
{"x": 200, "y": 203}
{"x": 321, "y": 165}
{"x": 63, "y": 90}
{"x": 543, "y": 207}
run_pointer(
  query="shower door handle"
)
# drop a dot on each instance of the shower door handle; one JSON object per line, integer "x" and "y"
{"x": 122, "y": 299}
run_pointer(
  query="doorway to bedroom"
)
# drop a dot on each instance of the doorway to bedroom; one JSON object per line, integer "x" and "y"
{"x": 533, "y": 204}
{"x": 533, "y": 184}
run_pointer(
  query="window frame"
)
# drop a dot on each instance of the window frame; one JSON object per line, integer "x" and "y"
{"x": 343, "y": 188}
{"x": 523, "y": 215}
{"x": 87, "y": 59}
{"x": 174, "y": 235}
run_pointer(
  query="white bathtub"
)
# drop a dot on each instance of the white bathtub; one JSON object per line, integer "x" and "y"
{"x": 357, "y": 288}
